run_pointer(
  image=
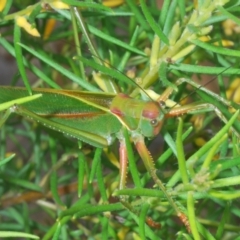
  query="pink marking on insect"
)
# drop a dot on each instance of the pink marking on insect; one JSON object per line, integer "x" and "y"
{"x": 123, "y": 95}
{"x": 117, "y": 112}
{"x": 151, "y": 111}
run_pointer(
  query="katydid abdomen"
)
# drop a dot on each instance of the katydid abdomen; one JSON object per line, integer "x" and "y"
{"x": 65, "y": 112}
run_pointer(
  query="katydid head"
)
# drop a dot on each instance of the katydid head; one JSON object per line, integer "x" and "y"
{"x": 137, "y": 115}
{"x": 151, "y": 120}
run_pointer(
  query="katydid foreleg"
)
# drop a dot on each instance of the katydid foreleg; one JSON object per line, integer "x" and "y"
{"x": 125, "y": 154}
{"x": 123, "y": 164}
{"x": 212, "y": 102}
{"x": 149, "y": 164}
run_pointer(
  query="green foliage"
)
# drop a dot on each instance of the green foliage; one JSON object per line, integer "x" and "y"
{"x": 55, "y": 188}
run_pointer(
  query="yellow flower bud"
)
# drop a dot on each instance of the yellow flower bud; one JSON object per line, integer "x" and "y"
{"x": 224, "y": 43}
{"x": 59, "y": 5}
{"x": 199, "y": 141}
{"x": 112, "y": 3}
{"x": 23, "y": 23}
{"x": 183, "y": 52}
{"x": 2, "y": 4}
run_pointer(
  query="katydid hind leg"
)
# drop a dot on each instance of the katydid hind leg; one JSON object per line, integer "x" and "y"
{"x": 84, "y": 136}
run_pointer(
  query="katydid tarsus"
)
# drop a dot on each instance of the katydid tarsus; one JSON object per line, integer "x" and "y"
{"x": 79, "y": 114}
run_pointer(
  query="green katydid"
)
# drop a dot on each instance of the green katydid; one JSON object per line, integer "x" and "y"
{"x": 80, "y": 114}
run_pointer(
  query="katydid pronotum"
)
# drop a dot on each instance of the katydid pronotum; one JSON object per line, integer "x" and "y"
{"x": 78, "y": 115}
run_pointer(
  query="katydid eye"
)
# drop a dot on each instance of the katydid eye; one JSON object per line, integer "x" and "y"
{"x": 162, "y": 104}
{"x": 154, "y": 122}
